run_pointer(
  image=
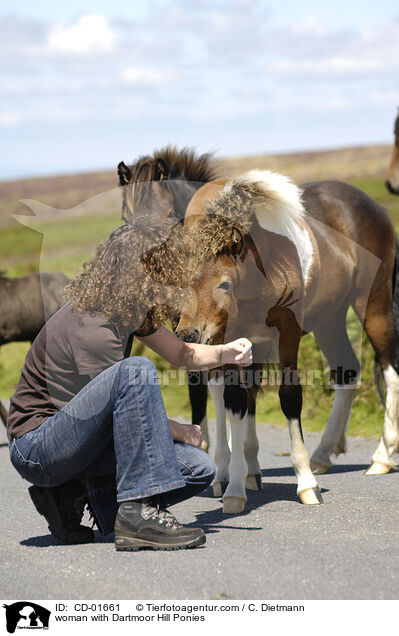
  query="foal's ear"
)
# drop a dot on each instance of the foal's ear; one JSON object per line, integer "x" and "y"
{"x": 161, "y": 170}
{"x": 237, "y": 241}
{"x": 124, "y": 173}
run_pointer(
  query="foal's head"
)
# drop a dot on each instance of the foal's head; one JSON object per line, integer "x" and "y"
{"x": 163, "y": 183}
{"x": 392, "y": 176}
{"x": 247, "y": 279}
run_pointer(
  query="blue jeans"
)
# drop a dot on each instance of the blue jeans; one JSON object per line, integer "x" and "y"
{"x": 115, "y": 434}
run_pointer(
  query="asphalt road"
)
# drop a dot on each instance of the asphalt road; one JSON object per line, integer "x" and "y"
{"x": 347, "y": 548}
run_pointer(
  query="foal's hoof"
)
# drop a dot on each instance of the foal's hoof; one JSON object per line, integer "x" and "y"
{"x": 311, "y": 496}
{"x": 377, "y": 468}
{"x": 219, "y": 488}
{"x": 319, "y": 468}
{"x": 254, "y": 482}
{"x": 233, "y": 505}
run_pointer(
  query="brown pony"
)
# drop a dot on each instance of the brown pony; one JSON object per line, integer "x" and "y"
{"x": 275, "y": 263}
{"x": 392, "y": 176}
{"x": 163, "y": 184}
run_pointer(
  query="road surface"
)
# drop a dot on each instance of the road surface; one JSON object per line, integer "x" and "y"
{"x": 347, "y": 548}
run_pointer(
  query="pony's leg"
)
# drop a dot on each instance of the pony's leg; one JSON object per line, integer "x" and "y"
{"x": 335, "y": 344}
{"x": 380, "y": 331}
{"x": 251, "y": 444}
{"x": 234, "y": 500}
{"x": 382, "y": 460}
{"x": 198, "y": 392}
{"x": 290, "y": 393}
{"x": 291, "y": 402}
{"x": 222, "y": 450}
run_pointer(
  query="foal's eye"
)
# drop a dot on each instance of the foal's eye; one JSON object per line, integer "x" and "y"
{"x": 226, "y": 285}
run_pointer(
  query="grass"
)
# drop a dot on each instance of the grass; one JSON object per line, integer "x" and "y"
{"x": 68, "y": 243}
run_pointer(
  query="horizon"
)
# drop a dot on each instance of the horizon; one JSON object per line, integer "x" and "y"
{"x": 216, "y": 157}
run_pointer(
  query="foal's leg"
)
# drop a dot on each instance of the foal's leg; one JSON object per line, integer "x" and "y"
{"x": 234, "y": 500}
{"x": 251, "y": 444}
{"x": 334, "y": 343}
{"x": 222, "y": 450}
{"x": 198, "y": 392}
{"x": 290, "y": 393}
{"x": 379, "y": 328}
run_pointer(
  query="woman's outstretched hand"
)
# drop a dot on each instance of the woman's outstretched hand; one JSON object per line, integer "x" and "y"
{"x": 237, "y": 352}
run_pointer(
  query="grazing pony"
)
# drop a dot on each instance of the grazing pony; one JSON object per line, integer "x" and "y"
{"x": 163, "y": 184}
{"x": 276, "y": 262}
{"x": 25, "y": 305}
{"x": 392, "y": 176}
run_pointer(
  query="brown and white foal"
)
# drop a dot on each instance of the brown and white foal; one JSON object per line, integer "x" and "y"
{"x": 275, "y": 262}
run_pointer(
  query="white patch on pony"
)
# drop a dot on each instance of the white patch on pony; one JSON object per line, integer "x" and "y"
{"x": 251, "y": 445}
{"x": 281, "y": 211}
{"x": 238, "y": 469}
{"x": 389, "y": 442}
{"x": 300, "y": 458}
{"x": 222, "y": 450}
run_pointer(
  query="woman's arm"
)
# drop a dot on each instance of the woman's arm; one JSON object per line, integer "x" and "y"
{"x": 186, "y": 355}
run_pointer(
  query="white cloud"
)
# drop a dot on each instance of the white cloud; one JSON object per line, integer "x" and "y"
{"x": 90, "y": 33}
{"x": 309, "y": 26}
{"x": 147, "y": 75}
{"x": 330, "y": 65}
{"x": 8, "y": 119}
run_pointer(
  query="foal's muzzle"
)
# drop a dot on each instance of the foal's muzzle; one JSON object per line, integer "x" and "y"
{"x": 189, "y": 335}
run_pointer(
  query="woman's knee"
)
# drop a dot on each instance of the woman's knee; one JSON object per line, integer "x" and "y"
{"x": 199, "y": 463}
{"x": 139, "y": 368}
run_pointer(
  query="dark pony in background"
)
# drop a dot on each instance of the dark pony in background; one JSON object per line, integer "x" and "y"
{"x": 392, "y": 176}
{"x": 162, "y": 184}
{"x": 25, "y": 305}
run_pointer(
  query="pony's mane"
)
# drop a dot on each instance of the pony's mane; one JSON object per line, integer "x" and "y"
{"x": 263, "y": 196}
{"x": 267, "y": 194}
{"x": 181, "y": 164}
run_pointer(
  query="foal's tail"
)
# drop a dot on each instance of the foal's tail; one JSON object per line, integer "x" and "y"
{"x": 379, "y": 379}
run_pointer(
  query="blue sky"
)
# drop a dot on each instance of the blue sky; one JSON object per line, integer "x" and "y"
{"x": 87, "y": 84}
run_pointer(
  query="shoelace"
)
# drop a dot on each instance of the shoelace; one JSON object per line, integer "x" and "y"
{"x": 163, "y": 515}
{"x": 170, "y": 520}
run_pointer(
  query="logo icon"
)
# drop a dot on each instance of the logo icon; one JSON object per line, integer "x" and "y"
{"x": 26, "y": 615}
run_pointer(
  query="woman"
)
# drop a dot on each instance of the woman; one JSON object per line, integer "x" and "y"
{"x": 87, "y": 423}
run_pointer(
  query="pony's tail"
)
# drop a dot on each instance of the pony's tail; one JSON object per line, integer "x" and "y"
{"x": 378, "y": 376}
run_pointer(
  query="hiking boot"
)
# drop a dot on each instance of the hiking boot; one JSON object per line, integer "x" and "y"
{"x": 142, "y": 524}
{"x": 63, "y": 508}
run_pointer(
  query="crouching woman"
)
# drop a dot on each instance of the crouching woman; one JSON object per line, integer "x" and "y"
{"x": 87, "y": 423}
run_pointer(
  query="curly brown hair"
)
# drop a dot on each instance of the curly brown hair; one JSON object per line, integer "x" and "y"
{"x": 137, "y": 275}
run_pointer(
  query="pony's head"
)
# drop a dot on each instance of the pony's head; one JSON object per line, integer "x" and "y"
{"x": 392, "y": 176}
{"x": 163, "y": 183}
{"x": 243, "y": 276}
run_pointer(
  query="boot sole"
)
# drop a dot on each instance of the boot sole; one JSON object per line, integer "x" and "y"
{"x": 128, "y": 544}
{"x": 41, "y": 509}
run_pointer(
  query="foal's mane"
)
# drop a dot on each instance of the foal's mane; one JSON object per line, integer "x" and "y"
{"x": 265, "y": 197}
{"x": 171, "y": 163}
